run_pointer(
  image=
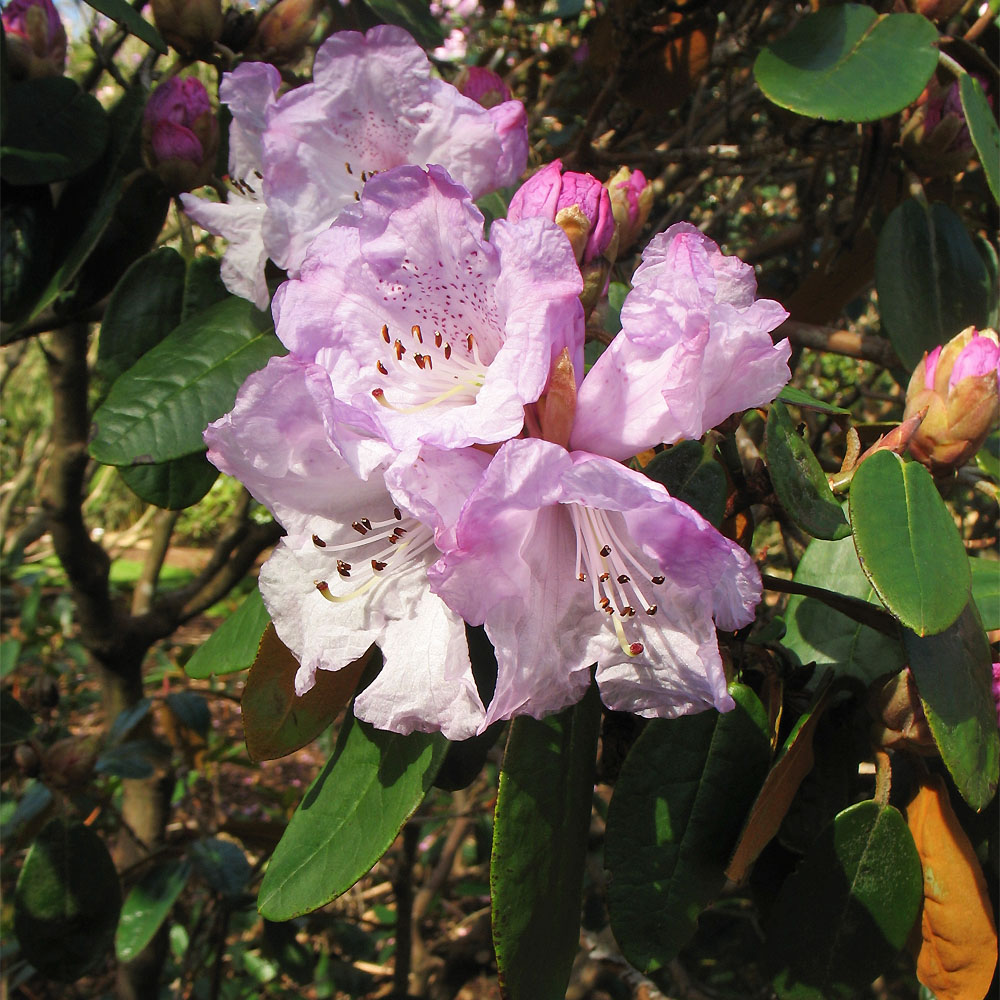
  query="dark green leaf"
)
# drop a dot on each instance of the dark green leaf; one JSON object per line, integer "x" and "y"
{"x": 842, "y": 917}
{"x": 983, "y": 129}
{"x": 908, "y": 544}
{"x": 144, "y": 307}
{"x": 26, "y": 231}
{"x": 953, "y": 674}
{"x": 223, "y": 865}
{"x": 986, "y": 591}
{"x": 172, "y": 485}
{"x": 679, "y": 804}
{"x": 233, "y": 645}
{"x": 414, "y": 15}
{"x": 349, "y": 817}
{"x": 35, "y": 802}
{"x": 131, "y": 759}
{"x": 16, "y": 722}
{"x": 799, "y": 479}
{"x": 848, "y": 62}
{"x": 690, "y": 473}
{"x": 53, "y": 131}
{"x": 539, "y": 848}
{"x": 67, "y": 901}
{"x": 159, "y": 408}
{"x": 128, "y": 17}
{"x": 191, "y": 710}
{"x": 127, "y": 719}
{"x": 203, "y": 286}
{"x": 277, "y": 722}
{"x": 796, "y": 397}
{"x": 931, "y": 281}
{"x": 147, "y": 905}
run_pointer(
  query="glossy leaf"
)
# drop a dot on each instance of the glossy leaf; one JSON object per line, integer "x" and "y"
{"x": 958, "y": 949}
{"x": 223, "y": 865}
{"x": 842, "y": 917}
{"x": 983, "y": 129}
{"x": 678, "y": 807}
{"x": 849, "y": 63}
{"x": 932, "y": 283}
{"x": 908, "y": 544}
{"x": 799, "y": 480}
{"x": 986, "y": 590}
{"x": 67, "y": 901}
{"x": 816, "y": 632}
{"x": 275, "y": 721}
{"x": 776, "y": 794}
{"x": 147, "y": 905}
{"x": 172, "y": 485}
{"x": 690, "y": 473}
{"x": 159, "y": 408}
{"x": 129, "y": 17}
{"x": 349, "y": 816}
{"x": 954, "y": 675}
{"x": 413, "y": 15}
{"x": 53, "y": 131}
{"x": 233, "y": 645}
{"x": 144, "y": 307}
{"x": 797, "y": 397}
{"x": 539, "y": 848}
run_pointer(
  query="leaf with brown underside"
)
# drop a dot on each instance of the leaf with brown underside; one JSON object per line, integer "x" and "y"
{"x": 958, "y": 950}
{"x": 275, "y": 721}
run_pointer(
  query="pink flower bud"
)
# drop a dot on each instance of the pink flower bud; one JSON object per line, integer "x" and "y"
{"x": 190, "y": 26}
{"x": 36, "y": 39}
{"x": 958, "y": 384}
{"x": 577, "y": 202}
{"x": 284, "y": 31}
{"x": 631, "y": 201}
{"x": 483, "y": 86}
{"x": 180, "y": 134}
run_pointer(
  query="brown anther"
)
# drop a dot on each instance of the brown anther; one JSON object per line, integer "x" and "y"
{"x": 396, "y": 514}
{"x": 437, "y": 338}
{"x": 258, "y": 175}
{"x": 415, "y": 330}
{"x": 357, "y": 197}
{"x": 606, "y": 551}
{"x": 447, "y": 351}
{"x": 381, "y": 367}
{"x": 605, "y": 603}
{"x": 628, "y": 611}
{"x": 347, "y": 167}
{"x": 366, "y": 523}
{"x": 399, "y": 531}
{"x": 419, "y": 360}
{"x": 343, "y": 568}
{"x": 385, "y": 333}
{"x": 657, "y": 579}
{"x": 378, "y": 566}
{"x": 399, "y": 350}
{"x": 359, "y": 527}
{"x": 430, "y": 364}
{"x": 651, "y": 610}
{"x": 604, "y": 577}
{"x": 318, "y": 542}
{"x": 470, "y": 340}
{"x": 624, "y": 579}
{"x": 582, "y": 578}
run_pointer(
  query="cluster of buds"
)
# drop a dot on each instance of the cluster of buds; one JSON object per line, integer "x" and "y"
{"x": 935, "y": 139}
{"x": 36, "y": 39}
{"x": 180, "y": 134}
{"x": 957, "y": 384}
{"x": 191, "y": 26}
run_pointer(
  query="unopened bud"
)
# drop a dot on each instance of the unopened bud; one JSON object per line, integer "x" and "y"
{"x": 578, "y": 202}
{"x": 631, "y": 200}
{"x": 190, "y": 26}
{"x": 900, "y": 719}
{"x": 958, "y": 385}
{"x": 69, "y": 762}
{"x": 483, "y": 86}
{"x": 284, "y": 31}
{"x": 36, "y": 39}
{"x": 180, "y": 134}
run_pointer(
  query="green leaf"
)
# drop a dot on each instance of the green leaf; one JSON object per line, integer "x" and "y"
{"x": 277, "y": 722}
{"x": 799, "y": 479}
{"x": 172, "y": 485}
{"x": 147, "y": 905}
{"x": 982, "y": 128}
{"x": 53, "y": 131}
{"x": 233, "y": 645}
{"x": 847, "y": 62}
{"x": 349, "y": 817}
{"x": 128, "y": 17}
{"x": 932, "y": 282}
{"x": 26, "y": 217}
{"x": 986, "y": 591}
{"x": 191, "y": 710}
{"x": 678, "y": 808}
{"x": 203, "y": 286}
{"x": 908, "y": 544}
{"x": 223, "y": 865}
{"x": 413, "y": 15}
{"x": 954, "y": 674}
{"x": 18, "y": 723}
{"x": 159, "y": 408}
{"x": 847, "y": 911}
{"x": 690, "y": 473}
{"x": 67, "y": 901}
{"x": 796, "y": 397}
{"x": 539, "y": 848}
{"x": 144, "y": 307}
{"x": 816, "y": 632}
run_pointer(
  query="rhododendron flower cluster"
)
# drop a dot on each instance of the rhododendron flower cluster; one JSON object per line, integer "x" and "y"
{"x": 438, "y": 457}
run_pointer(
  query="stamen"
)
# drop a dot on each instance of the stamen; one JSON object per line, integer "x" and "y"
{"x": 657, "y": 580}
{"x": 385, "y": 333}
{"x": 343, "y": 568}
{"x": 360, "y": 528}
{"x": 347, "y": 167}
{"x": 377, "y": 567}
{"x": 438, "y": 338}
{"x": 381, "y": 367}
{"x": 415, "y": 330}
{"x": 396, "y": 514}
{"x": 399, "y": 350}
{"x": 606, "y": 551}
{"x": 318, "y": 542}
